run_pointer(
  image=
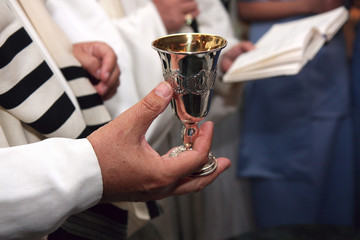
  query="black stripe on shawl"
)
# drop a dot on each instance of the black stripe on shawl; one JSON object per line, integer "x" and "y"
{"x": 74, "y": 72}
{"x": 89, "y": 129}
{"x": 95, "y": 127}
{"x": 14, "y": 44}
{"x": 85, "y": 133}
{"x": 112, "y": 212}
{"x": 87, "y": 101}
{"x": 153, "y": 208}
{"x": 27, "y": 86}
{"x": 101, "y": 222}
{"x": 61, "y": 234}
{"x": 52, "y": 120}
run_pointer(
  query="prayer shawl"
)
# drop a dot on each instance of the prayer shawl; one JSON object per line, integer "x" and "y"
{"x": 91, "y": 23}
{"x": 50, "y": 95}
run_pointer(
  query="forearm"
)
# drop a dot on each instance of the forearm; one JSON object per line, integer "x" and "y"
{"x": 271, "y": 10}
{"x": 43, "y": 183}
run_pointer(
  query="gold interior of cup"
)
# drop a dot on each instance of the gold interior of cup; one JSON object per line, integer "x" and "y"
{"x": 189, "y": 43}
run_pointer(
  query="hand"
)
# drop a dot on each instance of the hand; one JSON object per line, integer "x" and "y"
{"x": 101, "y": 62}
{"x": 133, "y": 171}
{"x": 173, "y": 12}
{"x": 230, "y": 55}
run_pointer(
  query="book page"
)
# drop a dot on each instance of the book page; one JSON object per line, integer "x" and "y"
{"x": 280, "y": 45}
{"x": 285, "y": 69}
{"x": 286, "y": 44}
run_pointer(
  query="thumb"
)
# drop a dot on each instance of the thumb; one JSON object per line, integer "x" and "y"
{"x": 144, "y": 112}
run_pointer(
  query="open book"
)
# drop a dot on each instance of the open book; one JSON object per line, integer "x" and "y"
{"x": 287, "y": 47}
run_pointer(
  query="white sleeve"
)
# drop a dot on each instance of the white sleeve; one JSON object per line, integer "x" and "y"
{"x": 44, "y": 183}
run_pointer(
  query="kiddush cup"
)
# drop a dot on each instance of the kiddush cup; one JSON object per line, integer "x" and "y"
{"x": 189, "y": 64}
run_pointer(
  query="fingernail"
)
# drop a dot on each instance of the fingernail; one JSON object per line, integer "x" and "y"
{"x": 107, "y": 75}
{"x": 163, "y": 90}
{"x": 98, "y": 73}
{"x": 103, "y": 89}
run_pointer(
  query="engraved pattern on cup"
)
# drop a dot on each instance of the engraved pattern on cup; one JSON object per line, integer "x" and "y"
{"x": 196, "y": 84}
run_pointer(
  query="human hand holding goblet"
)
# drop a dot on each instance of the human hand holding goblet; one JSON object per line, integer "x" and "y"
{"x": 189, "y": 64}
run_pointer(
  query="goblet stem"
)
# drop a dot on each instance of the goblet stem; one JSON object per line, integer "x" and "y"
{"x": 190, "y": 132}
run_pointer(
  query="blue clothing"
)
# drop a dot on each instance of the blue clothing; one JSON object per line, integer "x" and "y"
{"x": 355, "y": 74}
{"x": 297, "y": 141}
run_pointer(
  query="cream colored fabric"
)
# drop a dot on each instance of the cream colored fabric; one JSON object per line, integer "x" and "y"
{"x": 137, "y": 30}
{"x": 14, "y": 133}
{"x": 92, "y": 24}
{"x": 138, "y": 216}
{"x": 34, "y": 106}
{"x": 37, "y": 179}
{"x": 57, "y": 43}
{"x": 50, "y": 37}
{"x": 113, "y": 8}
{"x": 60, "y": 48}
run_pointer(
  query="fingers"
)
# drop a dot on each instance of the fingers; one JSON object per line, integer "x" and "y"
{"x": 190, "y": 10}
{"x": 246, "y": 46}
{"x": 190, "y": 7}
{"x": 108, "y": 88}
{"x": 101, "y": 62}
{"x": 230, "y": 56}
{"x": 109, "y": 71}
{"x": 173, "y": 13}
{"x": 195, "y": 184}
{"x": 108, "y": 60}
{"x": 240, "y": 48}
{"x": 83, "y": 52}
{"x": 188, "y": 162}
{"x": 202, "y": 143}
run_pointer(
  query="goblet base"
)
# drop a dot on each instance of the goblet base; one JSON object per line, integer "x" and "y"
{"x": 207, "y": 169}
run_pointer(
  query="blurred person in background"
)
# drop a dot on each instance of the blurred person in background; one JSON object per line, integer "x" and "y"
{"x": 355, "y": 75}
{"x": 297, "y": 144}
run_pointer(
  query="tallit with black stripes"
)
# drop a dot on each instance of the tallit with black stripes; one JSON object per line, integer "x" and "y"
{"x": 32, "y": 94}
{"x": 56, "y": 103}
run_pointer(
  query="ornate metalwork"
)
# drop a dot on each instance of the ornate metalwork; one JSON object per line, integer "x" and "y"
{"x": 199, "y": 83}
{"x": 189, "y": 64}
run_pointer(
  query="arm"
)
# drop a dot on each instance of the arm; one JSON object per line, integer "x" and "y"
{"x": 272, "y": 10}
{"x": 44, "y": 183}
{"x": 133, "y": 171}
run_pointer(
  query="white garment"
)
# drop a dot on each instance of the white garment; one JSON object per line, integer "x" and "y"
{"x": 41, "y": 183}
{"x": 131, "y": 38}
{"x": 91, "y": 24}
{"x": 141, "y": 72}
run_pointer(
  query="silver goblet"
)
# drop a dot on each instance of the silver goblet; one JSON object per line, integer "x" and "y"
{"x": 189, "y": 64}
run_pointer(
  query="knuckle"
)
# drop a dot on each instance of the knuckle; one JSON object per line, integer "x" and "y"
{"x": 200, "y": 186}
{"x": 149, "y": 105}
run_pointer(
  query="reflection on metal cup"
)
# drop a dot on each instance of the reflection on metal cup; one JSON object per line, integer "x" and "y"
{"x": 189, "y": 64}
